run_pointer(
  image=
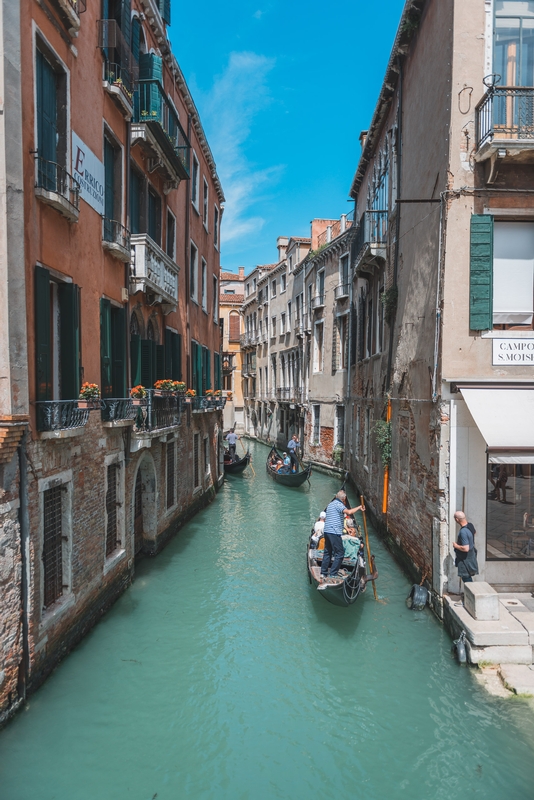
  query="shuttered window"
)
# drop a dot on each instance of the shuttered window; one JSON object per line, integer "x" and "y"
{"x": 165, "y": 10}
{"x": 43, "y": 343}
{"x": 481, "y": 273}
{"x": 109, "y": 189}
{"x": 135, "y": 359}
{"x": 197, "y": 368}
{"x": 137, "y": 196}
{"x": 217, "y": 371}
{"x": 148, "y": 363}
{"x": 112, "y": 350}
{"x": 235, "y": 328}
{"x": 170, "y": 464}
{"x": 46, "y": 81}
{"x": 173, "y": 355}
{"x": 196, "y": 460}
{"x": 154, "y": 216}
{"x": 69, "y": 340}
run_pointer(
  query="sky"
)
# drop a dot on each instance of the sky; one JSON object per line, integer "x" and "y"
{"x": 283, "y": 91}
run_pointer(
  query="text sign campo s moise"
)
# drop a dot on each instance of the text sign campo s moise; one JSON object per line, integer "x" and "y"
{"x": 89, "y": 172}
{"x": 513, "y": 352}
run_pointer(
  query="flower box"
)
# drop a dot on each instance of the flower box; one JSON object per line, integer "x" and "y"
{"x": 91, "y": 404}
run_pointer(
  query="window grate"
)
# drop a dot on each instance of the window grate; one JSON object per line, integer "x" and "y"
{"x": 138, "y": 513}
{"x": 53, "y": 546}
{"x": 170, "y": 459}
{"x": 111, "y": 510}
{"x": 196, "y": 460}
{"x": 206, "y": 455}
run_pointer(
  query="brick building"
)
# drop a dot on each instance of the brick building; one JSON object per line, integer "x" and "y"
{"x": 111, "y": 210}
{"x": 232, "y": 295}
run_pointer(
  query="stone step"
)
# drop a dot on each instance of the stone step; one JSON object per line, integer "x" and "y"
{"x": 518, "y": 677}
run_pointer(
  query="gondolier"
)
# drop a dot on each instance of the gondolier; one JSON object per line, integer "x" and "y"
{"x": 292, "y": 447}
{"x": 232, "y": 438}
{"x": 333, "y": 531}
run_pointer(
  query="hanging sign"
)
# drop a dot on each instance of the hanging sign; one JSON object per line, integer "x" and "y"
{"x": 89, "y": 172}
{"x": 513, "y": 352}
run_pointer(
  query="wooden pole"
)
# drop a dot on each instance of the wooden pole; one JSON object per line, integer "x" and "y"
{"x": 362, "y": 501}
{"x": 245, "y": 452}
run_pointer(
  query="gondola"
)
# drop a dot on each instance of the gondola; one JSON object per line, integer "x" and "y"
{"x": 289, "y": 479}
{"x": 234, "y": 467}
{"x": 352, "y": 581}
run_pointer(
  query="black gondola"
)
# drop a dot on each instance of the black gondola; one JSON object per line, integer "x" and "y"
{"x": 343, "y": 590}
{"x": 234, "y": 467}
{"x": 290, "y": 478}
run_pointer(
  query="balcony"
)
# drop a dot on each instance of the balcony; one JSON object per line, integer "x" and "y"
{"x": 121, "y": 71}
{"x": 504, "y": 124}
{"x": 55, "y": 416}
{"x": 157, "y": 129}
{"x": 337, "y": 228}
{"x": 157, "y": 413}
{"x": 247, "y": 340}
{"x": 154, "y": 273}
{"x": 306, "y": 323}
{"x": 70, "y": 11}
{"x": 342, "y": 291}
{"x": 300, "y": 395}
{"x": 116, "y": 239}
{"x": 205, "y": 404}
{"x": 318, "y": 302}
{"x": 284, "y": 393}
{"x": 57, "y": 188}
{"x": 370, "y": 241}
{"x": 118, "y": 410}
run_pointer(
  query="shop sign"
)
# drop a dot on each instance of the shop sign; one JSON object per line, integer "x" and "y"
{"x": 89, "y": 172}
{"x": 513, "y": 352}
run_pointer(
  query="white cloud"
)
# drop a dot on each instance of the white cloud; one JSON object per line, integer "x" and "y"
{"x": 258, "y": 14}
{"x": 229, "y": 109}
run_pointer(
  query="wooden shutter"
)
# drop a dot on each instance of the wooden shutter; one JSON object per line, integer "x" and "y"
{"x": 109, "y": 181}
{"x": 118, "y": 345}
{"x": 194, "y": 347}
{"x": 160, "y": 363}
{"x": 217, "y": 370}
{"x": 136, "y": 38}
{"x": 481, "y": 273}
{"x": 150, "y": 69}
{"x": 43, "y": 344}
{"x": 69, "y": 339}
{"x": 165, "y": 10}
{"x": 146, "y": 363}
{"x": 208, "y": 369}
{"x": 235, "y": 327}
{"x": 46, "y": 109}
{"x": 176, "y": 370}
{"x": 106, "y": 387}
{"x": 168, "y": 354}
{"x": 135, "y": 359}
{"x": 126, "y": 19}
{"x": 353, "y": 334}
{"x": 136, "y": 199}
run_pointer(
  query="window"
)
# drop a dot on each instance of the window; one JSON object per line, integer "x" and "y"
{"x": 113, "y": 350}
{"x": 273, "y": 288}
{"x": 112, "y": 190}
{"x": 510, "y": 509}
{"x": 273, "y": 326}
{"x": 205, "y": 199}
{"x": 173, "y": 355}
{"x": 206, "y": 453}
{"x": 52, "y": 555}
{"x": 253, "y": 284}
{"x": 171, "y": 236}
{"x": 344, "y": 271}
{"x": 283, "y": 283}
{"x": 366, "y": 433}
{"x": 57, "y": 337}
{"x": 502, "y": 274}
{"x": 340, "y": 426}
{"x": 196, "y": 460}
{"x": 282, "y": 324}
{"x": 204, "y": 286}
{"x": 234, "y": 327}
{"x": 170, "y": 459}
{"x": 112, "y": 529}
{"x": 215, "y": 299}
{"x": 216, "y": 370}
{"x": 318, "y": 348}
{"x": 291, "y": 263}
{"x": 316, "y": 433}
{"x": 320, "y": 285}
{"x": 247, "y": 289}
{"x": 154, "y": 216}
{"x": 216, "y": 227}
{"x": 273, "y": 371}
{"x": 310, "y": 295}
{"x": 137, "y": 199}
{"x": 195, "y": 182}
{"x": 260, "y": 297}
{"x": 343, "y": 325}
{"x": 513, "y": 42}
{"x": 288, "y": 317}
{"x": 193, "y": 273}
{"x": 51, "y": 119}
{"x": 206, "y": 370}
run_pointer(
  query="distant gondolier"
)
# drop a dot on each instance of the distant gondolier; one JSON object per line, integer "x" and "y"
{"x": 333, "y": 531}
{"x": 232, "y": 438}
{"x": 292, "y": 446}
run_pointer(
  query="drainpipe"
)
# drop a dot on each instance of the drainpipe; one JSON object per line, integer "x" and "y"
{"x": 385, "y": 492}
{"x": 24, "y": 523}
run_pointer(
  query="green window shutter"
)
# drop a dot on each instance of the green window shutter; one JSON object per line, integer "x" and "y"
{"x": 105, "y": 348}
{"x": 216, "y": 371}
{"x": 136, "y": 38}
{"x": 150, "y": 67}
{"x": 46, "y": 109}
{"x": 43, "y": 344}
{"x": 165, "y": 10}
{"x": 136, "y": 194}
{"x": 481, "y": 273}
{"x": 196, "y": 373}
{"x": 176, "y": 344}
{"x": 168, "y": 354}
{"x": 125, "y": 19}
{"x": 69, "y": 335}
{"x": 118, "y": 345}
{"x": 146, "y": 363}
{"x": 208, "y": 369}
{"x": 135, "y": 359}
{"x": 109, "y": 180}
{"x": 199, "y": 387}
{"x": 160, "y": 362}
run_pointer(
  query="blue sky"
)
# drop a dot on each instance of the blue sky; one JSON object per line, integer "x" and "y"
{"x": 283, "y": 91}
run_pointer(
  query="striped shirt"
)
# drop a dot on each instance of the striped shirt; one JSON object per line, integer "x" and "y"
{"x": 334, "y": 517}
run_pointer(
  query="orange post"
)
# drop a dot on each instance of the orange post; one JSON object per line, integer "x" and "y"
{"x": 385, "y": 490}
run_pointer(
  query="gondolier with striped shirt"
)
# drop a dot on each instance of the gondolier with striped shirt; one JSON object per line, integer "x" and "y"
{"x": 292, "y": 447}
{"x": 333, "y": 531}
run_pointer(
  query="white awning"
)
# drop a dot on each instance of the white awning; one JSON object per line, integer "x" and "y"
{"x": 504, "y": 417}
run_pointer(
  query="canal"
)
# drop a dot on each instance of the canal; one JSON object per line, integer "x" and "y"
{"x": 221, "y": 674}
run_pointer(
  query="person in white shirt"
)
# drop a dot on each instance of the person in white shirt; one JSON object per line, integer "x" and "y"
{"x": 318, "y": 528}
{"x": 232, "y": 438}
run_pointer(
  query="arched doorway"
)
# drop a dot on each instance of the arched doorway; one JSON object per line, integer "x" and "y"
{"x": 144, "y": 506}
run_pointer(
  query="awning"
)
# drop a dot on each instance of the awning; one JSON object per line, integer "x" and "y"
{"x": 504, "y": 417}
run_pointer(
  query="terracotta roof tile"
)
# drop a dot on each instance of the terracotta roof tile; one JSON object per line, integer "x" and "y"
{"x": 231, "y": 298}
{"x": 231, "y": 276}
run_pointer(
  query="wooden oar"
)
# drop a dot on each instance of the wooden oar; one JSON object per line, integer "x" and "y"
{"x": 250, "y": 460}
{"x": 362, "y": 501}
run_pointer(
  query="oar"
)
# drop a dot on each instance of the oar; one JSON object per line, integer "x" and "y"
{"x": 245, "y": 452}
{"x": 362, "y": 501}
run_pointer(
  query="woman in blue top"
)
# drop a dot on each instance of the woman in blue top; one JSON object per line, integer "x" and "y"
{"x": 333, "y": 531}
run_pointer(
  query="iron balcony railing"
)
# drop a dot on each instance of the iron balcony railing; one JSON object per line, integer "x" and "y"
{"x": 60, "y": 415}
{"x": 300, "y": 395}
{"x": 114, "y": 409}
{"x": 157, "y": 412}
{"x": 115, "y": 233}
{"x": 318, "y": 301}
{"x": 306, "y": 325}
{"x": 505, "y": 112}
{"x": 342, "y": 291}
{"x": 53, "y": 178}
{"x": 153, "y": 271}
{"x": 207, "y": 403}
{"x": 338, "y": 227}
{"x": 372, "y": 231}
{"x": 121, "y": 68}
{"x": 122, "y": 76}
{"x": 283, "y": 393}
{"x": 153, "y": 107}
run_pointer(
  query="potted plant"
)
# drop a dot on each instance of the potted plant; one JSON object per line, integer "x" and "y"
{"x": 89, "y": 396}
{"x": 217, "y": 393}
{"x": 138, "y": 395}
{"x": 189, "y": 394}
{"x": 228, "y": 395}
{"x": 179, "y": 387}
{"x": 163, "y": 387}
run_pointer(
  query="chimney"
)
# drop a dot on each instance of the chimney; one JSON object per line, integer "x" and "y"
{"x": 241, "y": 271}
{"x": 282, "y": 243}
{"x": 363, "y": 138}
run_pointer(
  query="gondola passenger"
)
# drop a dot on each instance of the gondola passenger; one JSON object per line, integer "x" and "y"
{"x": 333, "y": 532}
{"x": 318, "y": 529}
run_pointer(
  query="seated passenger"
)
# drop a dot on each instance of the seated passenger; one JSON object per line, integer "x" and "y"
{"x": 318, "y": 529}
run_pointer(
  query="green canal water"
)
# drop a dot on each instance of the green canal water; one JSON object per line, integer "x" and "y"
{"x": 222, "y": 674}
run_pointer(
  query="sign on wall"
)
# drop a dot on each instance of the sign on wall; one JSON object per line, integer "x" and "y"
{"x": 89, "y": 172}
{"x": 513, "y": 352}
